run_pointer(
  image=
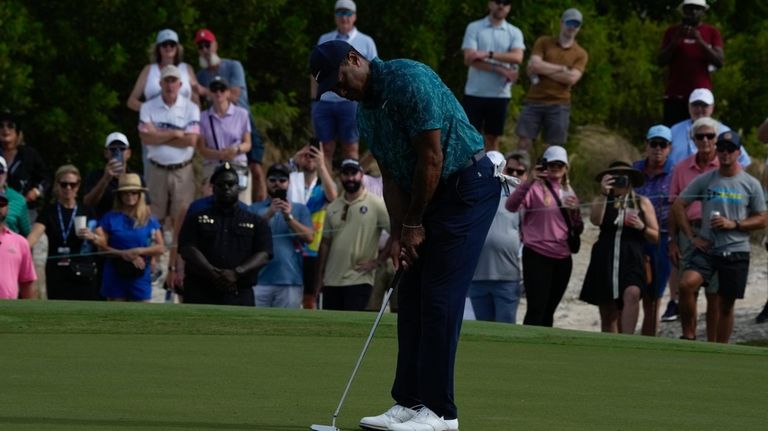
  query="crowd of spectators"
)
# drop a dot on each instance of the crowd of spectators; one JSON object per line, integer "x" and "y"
{"x": 288, "y": 237}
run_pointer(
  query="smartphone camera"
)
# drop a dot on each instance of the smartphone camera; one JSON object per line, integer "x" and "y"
{"x": 281, "y": 194}
{"x": 620, "y": 181}
{"x": 314, "y": 142}
{"x": 541, "y": 164}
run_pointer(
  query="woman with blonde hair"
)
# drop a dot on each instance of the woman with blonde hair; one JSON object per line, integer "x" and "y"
{"x": 69, "y": 274}
{"x": 131, "y": 236}
{"x": 617, "y": 269}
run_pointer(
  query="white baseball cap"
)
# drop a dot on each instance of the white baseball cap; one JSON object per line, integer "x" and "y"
{"x": 116, "y": 137}
{"x": 702, "y": 95}
{"x": 702, "y": 3}
{"x": 165, "y": 35}
{"x": 345, "y": 4}
{"x": 556, "y": 153}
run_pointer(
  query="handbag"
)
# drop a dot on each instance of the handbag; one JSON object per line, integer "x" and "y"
{"x": 575, "y": 224}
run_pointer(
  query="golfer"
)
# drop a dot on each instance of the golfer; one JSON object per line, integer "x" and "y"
{"x": 441, "y": 193}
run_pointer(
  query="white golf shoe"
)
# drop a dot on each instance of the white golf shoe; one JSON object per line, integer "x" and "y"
{"x": 426, "y": 420}
{"x": 394, "y": 415}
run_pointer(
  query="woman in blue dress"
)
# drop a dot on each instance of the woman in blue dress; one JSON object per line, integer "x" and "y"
{"x": 131, "y": 236}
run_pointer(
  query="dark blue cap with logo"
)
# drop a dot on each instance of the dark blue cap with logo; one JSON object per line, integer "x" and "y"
{"x": 324, "y": 63}
{"x": 729, "y": 136}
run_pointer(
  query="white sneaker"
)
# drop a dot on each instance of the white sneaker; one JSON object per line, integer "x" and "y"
{"x": 394, "y": 415}
{"x": 426, "y": 420}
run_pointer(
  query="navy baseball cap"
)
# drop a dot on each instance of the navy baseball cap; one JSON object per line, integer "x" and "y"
{"x": 324, "y": 64}
{"x": 729, "y": 137}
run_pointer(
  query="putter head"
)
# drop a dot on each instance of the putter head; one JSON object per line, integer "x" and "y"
{"x": 323, "y": 428}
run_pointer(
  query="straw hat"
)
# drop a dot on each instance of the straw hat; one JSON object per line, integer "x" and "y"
{"x": 636, "y": 178}
{"x": 130, "y": 183}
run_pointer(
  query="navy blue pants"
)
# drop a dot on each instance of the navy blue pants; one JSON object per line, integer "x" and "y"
{"x": 433, "y": 290}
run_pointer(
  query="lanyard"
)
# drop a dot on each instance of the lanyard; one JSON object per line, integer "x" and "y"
{"x": 65, "y": 233}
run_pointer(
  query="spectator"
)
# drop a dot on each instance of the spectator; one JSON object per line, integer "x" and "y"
{"x": 225, "y": 136}
{"x": 657, "y": 172}
{"x": 627, "y": 221}
{"x": 431, "y": 157}
{"x": 733, "y": 203}
{"x": 280, "y": 282}
{"x": 211, "y": 66}
{"x": 547, "y": 261}
{"x": 313, "y": 186}
{"x": 335, "y": 117}
{"x": 556, "y": 65}
{"x": 704, "y": 131}
{"x": 165, "y": 52}
{"x": 17, "y": 271}
{"x": 169, "y": 128}
{"x": 495, "y": 289}
{"x": 17, "y": 219}
{"x": 68, "y": 276}
{"x": 100, "y": 184}
{"x": 26, "y": 171}
{"x": 130, "y": 235}
{"x": 349, "y": 253}
{"x": 691, "y": 50}
{"x": 224, "y": 246}
{"x": 701, "y": 104}
{"x": 493, "y": 49}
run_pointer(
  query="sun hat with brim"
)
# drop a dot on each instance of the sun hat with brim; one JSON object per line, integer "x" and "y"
{"x": 623, "y": 168}
{"x": 130, "y": 183}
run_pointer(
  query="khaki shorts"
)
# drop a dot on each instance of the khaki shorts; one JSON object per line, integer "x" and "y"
{"x": 170, "y": 190}
{"x": 711, "y": 285}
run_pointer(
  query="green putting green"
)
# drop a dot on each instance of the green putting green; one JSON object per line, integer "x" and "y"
{"x": 102, "y": 366}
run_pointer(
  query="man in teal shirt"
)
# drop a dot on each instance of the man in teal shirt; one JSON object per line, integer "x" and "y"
{"x": 441, "y": 193}
{"x": 18, "y": 216}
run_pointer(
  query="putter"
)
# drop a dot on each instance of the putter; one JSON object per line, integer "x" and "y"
{"x": 385, "y": 302}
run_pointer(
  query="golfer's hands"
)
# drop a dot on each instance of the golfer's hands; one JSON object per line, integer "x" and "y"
{"x": 410, "y": 240}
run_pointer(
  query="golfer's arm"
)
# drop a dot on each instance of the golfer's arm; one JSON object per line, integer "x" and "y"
{"x": 396, "y": 201}
{"x": 429, "y": 157}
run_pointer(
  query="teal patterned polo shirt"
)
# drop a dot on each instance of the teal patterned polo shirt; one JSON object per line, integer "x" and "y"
{"x": 407, "y": 98}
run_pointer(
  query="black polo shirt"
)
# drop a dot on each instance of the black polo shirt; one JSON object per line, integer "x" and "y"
{"x": 227, "y": 238}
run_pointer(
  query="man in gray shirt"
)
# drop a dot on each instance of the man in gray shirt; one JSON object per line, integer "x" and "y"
{"x": 733, "y": 204}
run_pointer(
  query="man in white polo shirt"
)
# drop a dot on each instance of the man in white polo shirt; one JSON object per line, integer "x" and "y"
{"x": 169, "y": 128}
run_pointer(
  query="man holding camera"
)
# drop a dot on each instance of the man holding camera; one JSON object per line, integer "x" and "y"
{"x": 691, "y": 49}
{"x": 280, "y": 283}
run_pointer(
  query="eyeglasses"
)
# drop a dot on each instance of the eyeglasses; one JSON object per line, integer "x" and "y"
{"x": 203, "y": 45}
{"x": 555, "y": 165}
{"x": 65, "y": 184}
{"x": 516, "y": 172}
{"x": 8, "y": 125}
{"x": 723, "y": 147}
{"x": 573, "y": 23}
{"x": 701, "y": 136}
{"x": 168, "y": 43}
{"x": 277, "y": 180}
{"x": 344, "y": 13}
{"x": 658, "y": 143}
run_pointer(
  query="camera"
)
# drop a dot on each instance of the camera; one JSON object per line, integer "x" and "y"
{"x": 280, "y": 194}
{"x": 620, "y": 181}
{"x": 117, "y": 154}
{"x": 541, "y": 163}
{"x": 690, "y": 21}
{"x": 314, "y": 142}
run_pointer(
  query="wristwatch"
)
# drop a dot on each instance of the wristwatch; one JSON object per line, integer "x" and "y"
{"x": 288, "y": 217}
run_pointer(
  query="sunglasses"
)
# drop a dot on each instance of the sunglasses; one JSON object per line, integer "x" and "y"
{"x": 555, "y": 165}
{"x": 203, "y": 45}
{"x": 277, "y": 180}
{"x": 344, "y": 13}
{"x": 701, "y": 136}
{"x": 658, "y": 143}
{"x": 503, "y": 2}
{"x": 8, "y": 125}
{"x": 573, "y": 23}
{"x": 723, "y": 147}
{"x": 168, "y": 43}
{"x": 218, "y": 89}
{"x": 65, "y": 184}
{"x": 517, "y": 172}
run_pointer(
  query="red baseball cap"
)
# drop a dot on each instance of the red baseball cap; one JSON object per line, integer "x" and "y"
{"x": 204, "y": 35}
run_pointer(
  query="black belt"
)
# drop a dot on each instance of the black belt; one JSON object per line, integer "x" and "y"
{"x": 171, "y": 167}
{"x": 474, "y": 159}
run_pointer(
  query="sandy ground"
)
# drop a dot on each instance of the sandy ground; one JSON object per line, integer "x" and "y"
{"x": 575, "y": 314}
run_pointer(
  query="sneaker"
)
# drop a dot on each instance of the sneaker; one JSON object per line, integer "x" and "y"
{"x": 426, "y": 420}
{"x": 671, "y": 314}
{"x": 395, "y": 415}
{"x": 763, "y": 316}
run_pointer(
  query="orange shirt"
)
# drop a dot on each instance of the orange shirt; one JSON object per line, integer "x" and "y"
{"x": 548, "y": 90}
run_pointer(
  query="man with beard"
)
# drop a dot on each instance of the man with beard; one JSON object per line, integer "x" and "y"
{"x": 349, "y": 252}
{"x": 280, "y": 282}
{"x": 224, "y": 246}
{"x": 17, "y": 271}
{"x": 211, "y": 66}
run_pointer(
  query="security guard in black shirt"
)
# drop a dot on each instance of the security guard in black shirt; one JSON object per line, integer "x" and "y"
{"x": 224, "y": 247}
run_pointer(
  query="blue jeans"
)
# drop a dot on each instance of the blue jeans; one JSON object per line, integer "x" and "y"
{"x": 277, "y": 296}
{"x": 495, "y": 300}
{"x": 433, "y": 290}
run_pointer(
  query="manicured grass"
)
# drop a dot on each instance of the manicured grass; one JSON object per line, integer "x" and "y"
{"x": 102, "y": 366}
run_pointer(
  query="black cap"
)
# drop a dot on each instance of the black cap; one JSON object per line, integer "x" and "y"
{"x": 218, "y": 82}
{"x": 324, "y": 63}
{"x": 351, "y": 164}
{"x": 279, "y": 170}
{"x": 222, "y": 169}
{"x": 8, "y": 115}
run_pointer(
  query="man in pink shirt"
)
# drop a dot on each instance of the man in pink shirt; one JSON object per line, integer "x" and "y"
{"x": 704, "y": 134}
{"x": 17, "y": 271}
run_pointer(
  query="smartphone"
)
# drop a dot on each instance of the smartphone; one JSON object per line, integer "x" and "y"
{"x": 117, "y": 154}
{"x": 314, "y": 142}
{"x": 620, "y": 181}
{"x": 541, "y": 164}
{"x": 281, "y": 194}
